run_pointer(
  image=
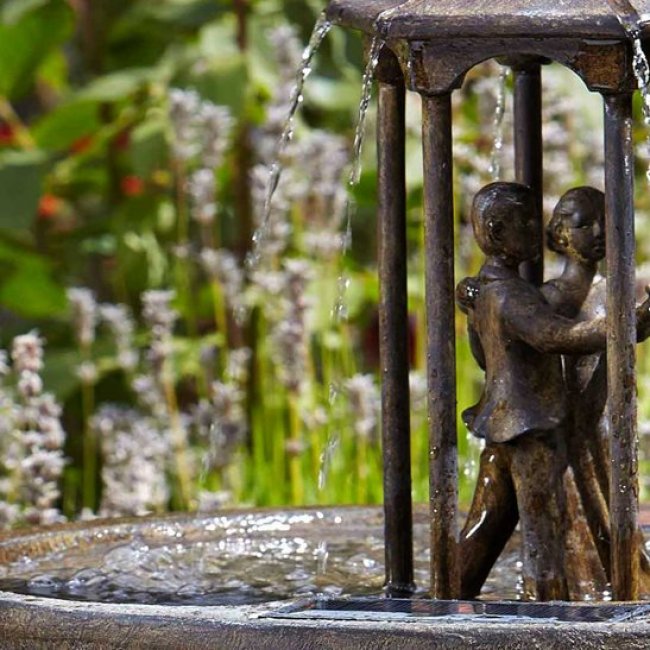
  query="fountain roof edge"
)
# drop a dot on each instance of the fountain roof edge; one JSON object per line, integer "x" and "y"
{"x": 431, "y": 19}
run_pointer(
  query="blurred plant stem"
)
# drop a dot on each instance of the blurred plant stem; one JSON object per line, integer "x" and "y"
{"x": 182, "y": 271}
{"x": 243, "y": 149}
{"x": 294, "y": 450}
{"x": 89, "y": 446}
{"x": 179, "y": 444}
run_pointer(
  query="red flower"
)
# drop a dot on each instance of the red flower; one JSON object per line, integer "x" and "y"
{"x": 81, "y": 144}
{"x": 48, "y": 206}
{"x": 123, "y": 139}
{"x": 132, "y": 185}
{"x": 7, "y": 135}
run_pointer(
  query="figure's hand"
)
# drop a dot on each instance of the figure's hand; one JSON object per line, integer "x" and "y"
{"x": 643, "y": 318}
{"x": 467, "y": 291}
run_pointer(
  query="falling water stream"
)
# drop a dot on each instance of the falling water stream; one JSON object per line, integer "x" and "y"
{"x": 340, "y": 311}
{"x": 497, "y": 124}
{"x": 320, "y": 31}
{"x": 633, "y": 24}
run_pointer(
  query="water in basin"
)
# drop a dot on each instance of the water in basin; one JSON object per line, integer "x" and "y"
{"x": 228, "y": 559}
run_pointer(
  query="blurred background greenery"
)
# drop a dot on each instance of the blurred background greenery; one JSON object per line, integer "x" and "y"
{"x": 258, "y": 395}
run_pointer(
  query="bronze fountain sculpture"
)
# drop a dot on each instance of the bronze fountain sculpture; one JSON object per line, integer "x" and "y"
{"x": 428, "y": 47}
{"x": 557, "y": 356}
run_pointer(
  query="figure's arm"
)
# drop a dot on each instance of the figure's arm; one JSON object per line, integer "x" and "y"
{"x": 531, "y": 320}
{"x": 475, "y": 344}
{"x": 467, "y": 291}
{"x": 594, "y": 395}
{"x": 565, "y": 298}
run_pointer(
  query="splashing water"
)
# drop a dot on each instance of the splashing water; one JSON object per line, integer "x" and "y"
{"x": 340, "y": 312}
{"x": 326, "y": 460}
{"x": 642, "y": 74}
{"x": 366, "y": 96}
{"x": 320, "y": 31}
{"x": 632, "y": 24}
{"x": 235, "y": 559}
{"x": 340, "y": 309}
{"x": 497, "y": 124}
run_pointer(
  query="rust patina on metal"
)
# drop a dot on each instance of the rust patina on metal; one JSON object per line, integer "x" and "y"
{"x": 434, "y": 43}
{"x": 430, "y": 19}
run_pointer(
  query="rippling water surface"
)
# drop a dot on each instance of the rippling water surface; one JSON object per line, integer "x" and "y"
{"x": 230, "y": 559}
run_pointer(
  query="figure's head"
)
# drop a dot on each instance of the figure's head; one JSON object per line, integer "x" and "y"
{"x": 505, "y": 221}
{"x": 577, "y": 228}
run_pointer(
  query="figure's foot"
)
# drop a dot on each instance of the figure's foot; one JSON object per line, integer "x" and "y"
{"x": 545, "y": 589}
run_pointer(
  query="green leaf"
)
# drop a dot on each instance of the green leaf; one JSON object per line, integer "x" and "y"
{"x": 175, "y": 13}
{"x": 67, "y": 123}
{"x": 28, "y": 287}
{"x": 149, "y": 147}
{"x": 54, "y": 72}
{"x": 25, "y": 44}
{"x": 218, "y": 40}
{"x": 224, "y": 83}
{"x": 31, "y": 292}
{"x": 21, "y": 178}
{"x": 118, "y": 85}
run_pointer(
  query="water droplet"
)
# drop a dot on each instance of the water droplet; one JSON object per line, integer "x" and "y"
{"x": 322, "y": 555}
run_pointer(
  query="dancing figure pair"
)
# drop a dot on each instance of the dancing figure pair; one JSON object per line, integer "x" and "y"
{"x": 518, "y": 334}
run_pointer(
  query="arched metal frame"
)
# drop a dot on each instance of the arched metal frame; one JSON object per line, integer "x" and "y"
{"x": 434, "y": 68}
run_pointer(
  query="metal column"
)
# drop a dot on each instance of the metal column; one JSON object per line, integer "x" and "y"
{"x": 441, "y": 344}
{"x": 529, "y": 149}
{"x": 393, "y": 327}
{"x": 621, "y": 343}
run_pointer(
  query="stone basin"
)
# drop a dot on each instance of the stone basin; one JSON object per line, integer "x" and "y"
{"x": 264, "y": 579}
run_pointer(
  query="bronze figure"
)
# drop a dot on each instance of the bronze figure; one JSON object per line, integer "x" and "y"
{"x": 523, "y": 414}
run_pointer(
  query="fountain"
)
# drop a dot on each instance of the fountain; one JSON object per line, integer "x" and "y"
{"x": 426, "y": 46}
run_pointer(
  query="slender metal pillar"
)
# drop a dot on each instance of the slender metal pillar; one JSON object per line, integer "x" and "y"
{"x": 441, "y": 344}
{"x": 529, "y": 149}
{"x": 393, "y": 329}
{"x": 621, "y": 344}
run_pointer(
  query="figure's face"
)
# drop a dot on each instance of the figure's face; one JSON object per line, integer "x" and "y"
{"x": 580, "y": 233}
{"x": 516, "y": 235}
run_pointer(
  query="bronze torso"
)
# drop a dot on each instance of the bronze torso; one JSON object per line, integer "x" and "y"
{"x": 523, "y": 388}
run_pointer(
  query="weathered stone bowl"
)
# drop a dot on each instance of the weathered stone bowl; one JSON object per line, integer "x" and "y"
{"x": 258, "y": 611}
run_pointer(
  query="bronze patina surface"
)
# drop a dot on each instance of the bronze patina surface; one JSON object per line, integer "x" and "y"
{"x": 431, "y": 19}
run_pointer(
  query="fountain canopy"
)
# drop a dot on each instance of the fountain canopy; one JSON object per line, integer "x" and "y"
{"x": 426, "y": 19}
{"x": 584, "y": 35}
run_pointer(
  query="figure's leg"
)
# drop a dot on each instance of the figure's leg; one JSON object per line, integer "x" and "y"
{"x": 592, "y": 498}
{"x": 491, "y": 519}
{"x": 591, "y": 431}
{"x": 584, "y": 570}
{"x": 597, "y": 439}
{"x": 587, "y": 386}
{"x": 596, "y": 506}
{"x": 538, "y": 465}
